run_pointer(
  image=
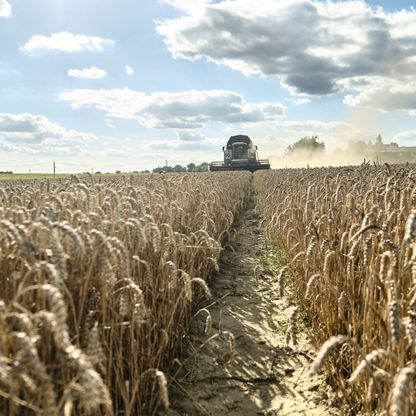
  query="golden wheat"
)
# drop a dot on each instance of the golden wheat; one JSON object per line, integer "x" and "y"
{"x": 98, "y": 282}
{"x": 349, "y": 237}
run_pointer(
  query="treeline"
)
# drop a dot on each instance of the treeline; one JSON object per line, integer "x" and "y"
{"x": 190, "y": 167}
{"x": 5, "y": 172}
{"x": 306, "y": 144}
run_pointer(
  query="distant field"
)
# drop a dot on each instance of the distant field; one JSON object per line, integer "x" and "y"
{"x": 28, "y": 176}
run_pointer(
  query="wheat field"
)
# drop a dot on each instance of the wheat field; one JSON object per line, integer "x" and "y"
{"x": 98, "y": 281}
{"x": 349, "y": 237}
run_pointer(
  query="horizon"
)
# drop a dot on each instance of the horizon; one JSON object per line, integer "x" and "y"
{"x": 298, "y": 159}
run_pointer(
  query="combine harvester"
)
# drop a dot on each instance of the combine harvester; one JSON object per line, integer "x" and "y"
{"x": 240, "y": 154}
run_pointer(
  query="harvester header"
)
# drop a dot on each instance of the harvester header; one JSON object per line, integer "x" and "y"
{"x": 240, "y": 154}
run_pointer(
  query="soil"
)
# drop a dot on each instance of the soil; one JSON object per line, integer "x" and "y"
{"x": 263, "y": 375}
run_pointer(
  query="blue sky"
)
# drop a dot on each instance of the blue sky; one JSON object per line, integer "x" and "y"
{"x": 110, "y": 85}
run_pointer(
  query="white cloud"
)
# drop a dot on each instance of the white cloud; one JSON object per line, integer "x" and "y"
{"x": 189, "y": 136}
{"x": 299, "y": 101}
{"x": 109, "y": 123}
{"x": 311, "y": 127}
{"x": 191, "y": 6}
{"x": 5, "y": 8}
{"x": 35, "y": 134}
{"x": 66, "y": 42}
{"x": 313, "y": 46}
{"x": 384, "y": 94}
{"x": 118, "y": 153}
{"x": 406, "y": 137}
{"x": 179, "y": 110}
{"x": 129, "y": 70}
{"x": 184, "y": 148}
{"x": 87, "y": 73}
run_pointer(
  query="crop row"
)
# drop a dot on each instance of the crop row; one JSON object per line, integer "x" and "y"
{"x": 349, "y": 236}
{"x": 97, "y": 286}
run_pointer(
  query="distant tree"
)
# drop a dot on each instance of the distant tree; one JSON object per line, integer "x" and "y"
{"x": 118, "y": 172}
{"x": 191, "y": 167}
{"x": 97, "y": 172}
{"x": 179, "y": 168}
{"x": 306, "y": 144}
{"x": 203, "y": 167}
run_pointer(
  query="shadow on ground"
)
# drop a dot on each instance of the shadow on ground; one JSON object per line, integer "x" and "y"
{"x": 261, "y": 375}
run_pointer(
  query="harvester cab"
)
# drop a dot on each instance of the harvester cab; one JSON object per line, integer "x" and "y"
{"x": 240, "y": 154}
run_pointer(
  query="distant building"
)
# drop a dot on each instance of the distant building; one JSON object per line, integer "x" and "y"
{"x": 390, "y": 152}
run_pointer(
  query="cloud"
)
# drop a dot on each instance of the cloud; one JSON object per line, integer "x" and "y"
{"x": 129, "y": 70}
{"x": 118, "y": 153}
{"x": 166, "y": 148}
{"x": 189, "y": 136}
{"x": 35, "y": 134}
{"x": 190, "y": 6}
{"x": 406, "y": 137}
{"x": 5, "y": 8}
{"x": 109, "y": 123}
{"x": 66, "y": 42}
{"x": 87, "y": 73}
{"x": 384, "y": 94}
{"x": 298, "y": 101}
{"x": 313, "y": 46}
{"x": 180, "y": 110}
{"x": 312, "y": 126}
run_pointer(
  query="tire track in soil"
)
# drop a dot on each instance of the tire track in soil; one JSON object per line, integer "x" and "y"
{"x": 264, "y": 376}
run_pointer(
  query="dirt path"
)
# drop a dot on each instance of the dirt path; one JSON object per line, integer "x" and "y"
{"x": 264, "y": 376}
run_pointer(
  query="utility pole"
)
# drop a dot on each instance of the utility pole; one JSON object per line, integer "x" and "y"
{"x": 54, "y": 169}
{"x": 166, "y": 165}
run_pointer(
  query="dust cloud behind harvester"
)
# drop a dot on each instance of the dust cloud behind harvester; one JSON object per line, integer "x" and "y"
{"x": 354, "y": 153}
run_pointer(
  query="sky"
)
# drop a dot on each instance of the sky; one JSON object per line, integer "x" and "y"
{"x": 126, "y": 85}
